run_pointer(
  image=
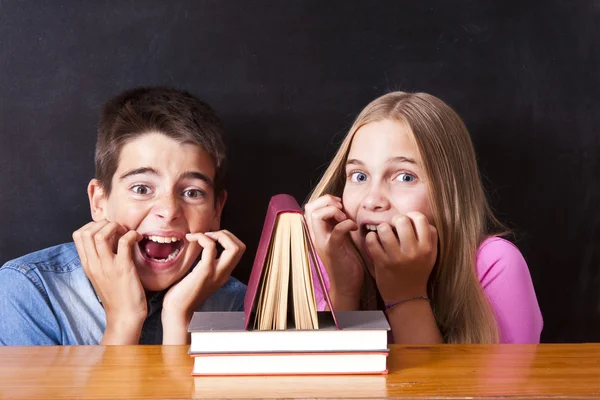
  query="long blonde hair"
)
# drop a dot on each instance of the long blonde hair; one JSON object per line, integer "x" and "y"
{"x": 460, "y": 209}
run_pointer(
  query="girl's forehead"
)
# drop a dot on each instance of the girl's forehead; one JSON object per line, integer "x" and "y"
{"x": 382, "y": 140}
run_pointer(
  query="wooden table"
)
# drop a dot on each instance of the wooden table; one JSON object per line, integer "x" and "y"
{"x": 445, "y": 371}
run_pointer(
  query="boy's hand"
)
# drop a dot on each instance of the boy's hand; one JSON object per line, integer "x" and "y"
{"x": 186, "y": 296}
{"x": 403, "y": 263}
{"x": 114, "y": 278}
{"x": 329, "y": 229}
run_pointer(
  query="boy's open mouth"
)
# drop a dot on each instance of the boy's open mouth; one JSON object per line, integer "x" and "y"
{"x": 160, "y": 248}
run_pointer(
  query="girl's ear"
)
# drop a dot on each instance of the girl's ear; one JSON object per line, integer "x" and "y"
{"x": 219, "y": 205}
{"x": 97, "y": 199}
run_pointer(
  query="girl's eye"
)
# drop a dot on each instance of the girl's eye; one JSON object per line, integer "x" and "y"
{"x": 141, "y": 189}
{"x": 193, "y": 193}
{"x": 358, "y": 177}
{"x": 405, "y": 177}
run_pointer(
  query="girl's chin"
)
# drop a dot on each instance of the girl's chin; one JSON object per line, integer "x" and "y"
{"x": 369, "y": 265}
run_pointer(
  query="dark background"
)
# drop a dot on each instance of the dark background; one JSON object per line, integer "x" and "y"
{"x": 287, "y": 78}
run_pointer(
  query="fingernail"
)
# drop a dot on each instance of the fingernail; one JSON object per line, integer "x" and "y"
{"x": 210, "y": 234}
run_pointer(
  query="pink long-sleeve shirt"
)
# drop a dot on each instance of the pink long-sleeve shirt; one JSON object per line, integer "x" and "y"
{"x": 505, "y": 279}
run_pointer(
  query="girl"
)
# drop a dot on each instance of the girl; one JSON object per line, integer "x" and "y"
{"x": 401, "y": 222}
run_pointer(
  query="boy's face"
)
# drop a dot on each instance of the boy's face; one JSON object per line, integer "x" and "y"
{"x": 162, "y": 189}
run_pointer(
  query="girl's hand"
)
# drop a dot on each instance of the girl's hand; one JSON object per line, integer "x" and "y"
{"x": 114, "y": 278}
{"x": 186, "y": 296}
{"x": 404, "y": 262}
{"x": 329, "y": 229}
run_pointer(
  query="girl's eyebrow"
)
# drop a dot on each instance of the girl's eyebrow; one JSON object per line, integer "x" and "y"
{"x": 391, "y": 160}
{"x": 354, "y": 161}
{"x": 401, "y": 159}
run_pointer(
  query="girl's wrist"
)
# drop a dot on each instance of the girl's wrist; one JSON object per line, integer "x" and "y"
{"x": 397, "y": 303}
{"x": 344, "y": 302}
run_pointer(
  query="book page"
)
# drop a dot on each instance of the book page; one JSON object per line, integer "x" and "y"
{"x": 260, "y": 305}
{"x": 305, "y": 310}
{"x": 266, "y": 307}
{"x": 284, "y": 266}
{"x": 309, "y": 284}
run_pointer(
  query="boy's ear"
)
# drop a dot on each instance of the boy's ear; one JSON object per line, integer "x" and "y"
{"x": 97, "y": 200}
{"x": 219, "y": 205}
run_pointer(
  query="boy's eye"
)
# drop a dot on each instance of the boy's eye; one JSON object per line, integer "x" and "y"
{"x": 405, "y": 177}
{"x": 193, "y": 193}
{"x": 141, "y": 189}
{"x": 358, "y": 177}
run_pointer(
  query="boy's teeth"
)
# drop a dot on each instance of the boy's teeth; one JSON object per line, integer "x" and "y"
{"x": 171, "y": 256}
{"x": 371, "y": 227}
{"x": 162, "y": 239}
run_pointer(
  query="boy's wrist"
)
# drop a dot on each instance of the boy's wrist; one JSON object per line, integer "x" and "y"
{"x": 175, "y": 326}
{"x": 122, "y": 331}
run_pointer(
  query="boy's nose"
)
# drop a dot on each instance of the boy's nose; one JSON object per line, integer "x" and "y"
{"x": 167, "y": 208}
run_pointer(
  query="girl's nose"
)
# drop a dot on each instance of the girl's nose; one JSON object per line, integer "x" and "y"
{"x": 376, "y": 199}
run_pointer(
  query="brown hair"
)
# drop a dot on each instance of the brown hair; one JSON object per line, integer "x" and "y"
{"x": 174, "y": 113}
{"x": 461, "y": 212}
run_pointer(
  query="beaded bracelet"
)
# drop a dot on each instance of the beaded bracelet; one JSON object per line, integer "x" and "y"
{"x": 390, "y": 305}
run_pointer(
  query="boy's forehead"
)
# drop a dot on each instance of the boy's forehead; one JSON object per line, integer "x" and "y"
{"x": 164, "y": 154}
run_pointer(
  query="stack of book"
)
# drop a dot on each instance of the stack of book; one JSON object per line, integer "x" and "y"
{"x": 281, "y": 332}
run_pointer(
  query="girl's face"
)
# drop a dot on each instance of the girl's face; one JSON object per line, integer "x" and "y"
{"x": 384, "y": 179}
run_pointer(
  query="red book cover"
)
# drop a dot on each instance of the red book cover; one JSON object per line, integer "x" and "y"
{"x": 281, "y": 203}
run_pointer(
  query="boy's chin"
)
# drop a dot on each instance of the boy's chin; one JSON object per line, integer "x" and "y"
{"x": 156, "y": 284}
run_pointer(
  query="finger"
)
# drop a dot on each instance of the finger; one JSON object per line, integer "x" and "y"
{"x": 375, "y": 249}
{"x": 125, "y": 245}
{"x": 421, "y": 226}
{"x": 228, "y": 240}
{"x": 323, "y": 222}
{"x": 209, "y": 247}
{"x": 323, "y": 201}
{"x": 340, "y": 231}
{"x": 104, "y": 240}
{"x": 328, "y": 213}
{"x": 89, "y": 244}
{"x": 389, "y": 241}
{"x": 78, "y": 239}
{"x": 320, "y": 203}
{"x": 233, "y": 250}
{"x": 406, "y": 233}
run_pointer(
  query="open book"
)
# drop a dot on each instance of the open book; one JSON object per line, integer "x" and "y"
{"x": 281, "y": 291}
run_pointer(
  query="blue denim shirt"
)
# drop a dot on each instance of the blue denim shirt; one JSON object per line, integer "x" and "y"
{"x": 46, "y": 299}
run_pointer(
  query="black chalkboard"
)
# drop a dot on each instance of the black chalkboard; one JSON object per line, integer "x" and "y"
{"x": 287, "y": 78}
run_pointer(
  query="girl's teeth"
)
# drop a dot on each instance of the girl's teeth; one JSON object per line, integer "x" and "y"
{"x": 371, "y": 227}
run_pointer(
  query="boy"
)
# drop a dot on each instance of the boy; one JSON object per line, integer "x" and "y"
{"x": 148, "y": 260}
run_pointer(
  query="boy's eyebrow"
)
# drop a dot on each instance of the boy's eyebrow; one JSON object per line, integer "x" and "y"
{"x": 139, "y": 171}
{"x": 152, "y": 171}
{"x": 197, "y": 175}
